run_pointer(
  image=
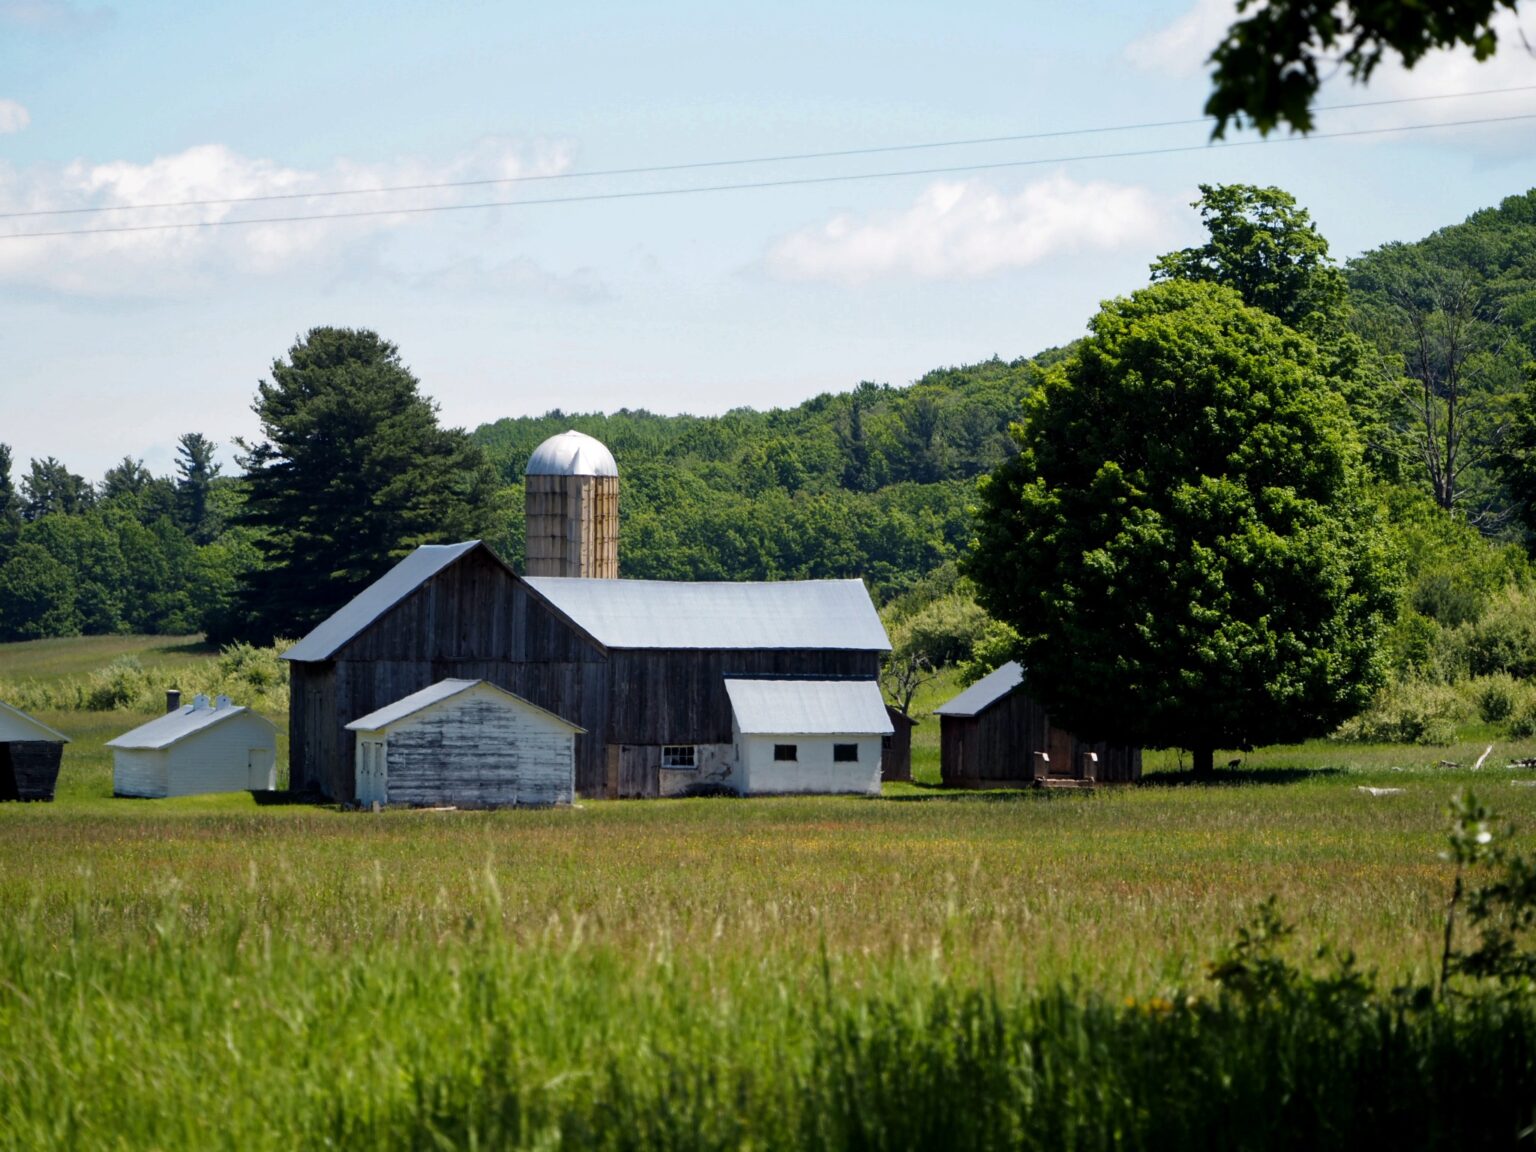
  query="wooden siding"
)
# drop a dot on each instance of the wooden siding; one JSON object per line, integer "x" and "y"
{"x": 474, "y": 620}
{"x": 896, "y": 756}
{"x": 677, "y": 695}
{"x": 999, "y": 748}
{"x": 138, "y": 772}
{"x": 213, "y": 759}
{"x": 29, "y": 769}
{"x": 573, "y": 526}
{"x": 478, "y": 751}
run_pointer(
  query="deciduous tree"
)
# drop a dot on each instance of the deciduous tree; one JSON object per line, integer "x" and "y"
{"x": 1182, "y": 543}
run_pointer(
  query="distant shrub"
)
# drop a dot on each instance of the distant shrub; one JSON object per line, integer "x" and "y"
{"x": 121, "y": 684}
{"x": 1495, "y": 697}
{"x": 1504, "y": 639}
{"x": 1414, "y": 712}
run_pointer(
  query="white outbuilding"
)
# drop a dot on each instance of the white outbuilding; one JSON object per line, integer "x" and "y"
{"x": 202, "y": 747}
{"x": 464, "y": 743}
{"x": 808, "y": 735}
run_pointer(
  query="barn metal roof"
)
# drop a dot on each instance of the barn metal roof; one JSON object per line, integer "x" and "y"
{"x": 985, "y": 692}
{"x": 808, "y": 707}
{"x": 571, "y": 454}
{"x": 436, "y": 693}
{"x": 674, "y": 614}
{"x": 163, "y": 731}
{"x": 378, "y": 598}
{"x": 17, "y": 725}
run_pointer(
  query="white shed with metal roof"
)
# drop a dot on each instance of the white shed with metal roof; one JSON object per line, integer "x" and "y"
{"x": 808, "y": 735}
{"x": 205, "y": 746}
{"x": 465, "y": 743}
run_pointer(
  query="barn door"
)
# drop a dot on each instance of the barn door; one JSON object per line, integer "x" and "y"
{"x": 1060, "y": 748}
{"x": 261, "y": 766}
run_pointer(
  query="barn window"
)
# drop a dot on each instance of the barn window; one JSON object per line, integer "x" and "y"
{"x": 845, "y": 753}
{"x": 786, "y": 751}
{"x": 678, "y": 756}
{"x": 885, "y": 742}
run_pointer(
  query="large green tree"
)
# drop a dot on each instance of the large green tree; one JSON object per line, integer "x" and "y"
{"x": 1275, "y": 56}
{"x": 353, "y": 473}
{"x": 1182, "y": 543}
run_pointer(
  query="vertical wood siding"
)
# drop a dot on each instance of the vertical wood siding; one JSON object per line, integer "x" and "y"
{"x": 997, "y": 748}
{"x": 478, "y": 751}
{"x": 896, "y": 760}
{"x": 29, "y": 769}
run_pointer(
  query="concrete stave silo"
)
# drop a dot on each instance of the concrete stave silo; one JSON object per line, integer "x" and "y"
{"x": 572, "y": 508}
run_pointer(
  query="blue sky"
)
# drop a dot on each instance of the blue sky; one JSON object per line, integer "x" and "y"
{"x": 116, "y": 344}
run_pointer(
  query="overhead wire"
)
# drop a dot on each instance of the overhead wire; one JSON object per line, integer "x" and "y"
{"x": 787, "y": 182}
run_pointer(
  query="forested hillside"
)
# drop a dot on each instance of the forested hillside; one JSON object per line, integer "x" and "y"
{"x": 1432, "y": 344}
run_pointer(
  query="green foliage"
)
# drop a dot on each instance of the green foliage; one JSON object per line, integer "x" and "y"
{"x": 37, "y": 595}
{"x": 1501, "y": 909}
{"x": 353, "y": 474}
{"x": 1183, "y": 543}
{"x": 1410, "y": 712}
{"x": 1273, "y": 59}
{"x": 197, "y": 510}
{"x": 49, "y": 487}
{"x": 247, "y": 675}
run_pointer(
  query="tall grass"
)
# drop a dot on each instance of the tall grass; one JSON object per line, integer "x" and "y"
{"x": 249, "y": 675}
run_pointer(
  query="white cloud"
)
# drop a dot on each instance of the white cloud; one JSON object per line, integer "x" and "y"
{"x": 176, "y": 262}
{"x": 13, "y": 117}
{"x": 969, "y": 229}
{"x": 1182, "y": 48}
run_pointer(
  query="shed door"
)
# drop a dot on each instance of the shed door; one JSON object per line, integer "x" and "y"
{"x": 1060, "y": 748}
{"x": 261, "y": 764}
{"x": 371, "y": 783}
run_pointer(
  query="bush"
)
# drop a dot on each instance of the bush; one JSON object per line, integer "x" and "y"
{"x": 1414, "y": 712}
{"x": 1496, "y": 697}
{"x": 1504, "y": 640}
{"x": 121, "y": 684}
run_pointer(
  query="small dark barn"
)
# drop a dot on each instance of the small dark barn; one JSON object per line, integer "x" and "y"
{"x": 30, "y": 754}
{"x": 896, "y": 749}
{"x": 994, "y": 735}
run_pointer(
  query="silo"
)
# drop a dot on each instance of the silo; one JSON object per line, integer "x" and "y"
{"x": 572, "y": 506}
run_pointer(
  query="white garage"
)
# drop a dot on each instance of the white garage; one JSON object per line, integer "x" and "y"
{"x": 202, "y": 747}
{"x": 464, "y": 743}
{"x": 808, "y": 735}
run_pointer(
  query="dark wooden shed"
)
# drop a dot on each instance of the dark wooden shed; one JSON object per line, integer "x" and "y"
{"x": 995, "y": 735}
{"x": 896, "y": 749}
{"x": 30, "y": 755}
{"x": 640, "y": 665}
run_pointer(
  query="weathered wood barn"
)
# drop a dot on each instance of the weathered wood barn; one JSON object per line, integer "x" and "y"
{"x": 995, "y": 735}
{"x": 205, "y": 746}
{"x": 30, "y": 754}
{"x": 640, "y": 665}
{"x": 466, "y": 743}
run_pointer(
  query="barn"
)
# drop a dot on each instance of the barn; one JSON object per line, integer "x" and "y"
{"x": 807, "y": 735}
{"x": 30, "y": 753}
{"x": 639, "y": 665}
{"x": 896, "y": 749}
{"x": 995, "y": 735}
{"x": 201, "y": 747}
{"x": 465, "y": 743}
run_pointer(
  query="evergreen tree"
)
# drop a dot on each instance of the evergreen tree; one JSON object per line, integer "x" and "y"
{"x": 353, "y": 473}
{"x": 51, "y": 488}
{"x": 10, "y": 503}
{"x": 196, "y": 471}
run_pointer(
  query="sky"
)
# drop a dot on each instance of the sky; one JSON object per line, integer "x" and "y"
{"x": 116, "y": 343}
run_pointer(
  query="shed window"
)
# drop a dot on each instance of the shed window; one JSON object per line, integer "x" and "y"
{"x": 845, "y": 753}
{"x": 678, "y": 756}
{"x": 786, "y": 751}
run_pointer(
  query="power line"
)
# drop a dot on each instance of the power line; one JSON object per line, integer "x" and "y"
{"x": 701, "y": 164}
{"x": 785, "y": 183}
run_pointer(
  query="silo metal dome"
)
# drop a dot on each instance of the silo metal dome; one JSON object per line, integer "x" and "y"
{"x": 571, "y": 454}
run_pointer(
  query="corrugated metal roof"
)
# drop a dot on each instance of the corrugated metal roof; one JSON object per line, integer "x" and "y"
{"x": 571, "y": 454}
{"x": 378, "y": 598}
{"x": 672, "y": 614}
{"x": 163, "y": 731}
{"x": 985, "y": 692}
{"x": 442, "y": 690}
{"x": 808, "y": 707}
{"x": 26, "y": 727}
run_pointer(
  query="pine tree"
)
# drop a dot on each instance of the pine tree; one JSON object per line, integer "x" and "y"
{"x": 353, "y": 473}
{"x": 196, "y": 471}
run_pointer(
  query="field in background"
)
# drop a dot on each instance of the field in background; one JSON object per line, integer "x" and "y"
{"x": 217, "y": 972}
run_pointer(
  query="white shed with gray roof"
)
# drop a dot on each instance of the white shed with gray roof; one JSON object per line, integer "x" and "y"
{"x": 808, "y": 735}
{"x": 465, "y": 743}
{"x": 203, "y": 747}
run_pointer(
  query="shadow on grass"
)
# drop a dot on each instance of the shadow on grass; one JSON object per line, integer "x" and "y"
{"x": 932, "y": 793}
{"x": 1226, "y": 777}
{"x": 191, "y": 648}
{"x": 283, "y": 799}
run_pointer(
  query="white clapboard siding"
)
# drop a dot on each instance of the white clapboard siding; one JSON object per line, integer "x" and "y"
{"x": 138, "y": 772}
{"x": 480, "y": 747}
{"x": 814, "y": 769}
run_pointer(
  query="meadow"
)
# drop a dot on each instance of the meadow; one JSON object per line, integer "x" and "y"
{"x": 978, "y": 969}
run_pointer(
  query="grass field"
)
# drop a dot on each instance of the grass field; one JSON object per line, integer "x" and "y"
{"x": 217, "y": 972}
